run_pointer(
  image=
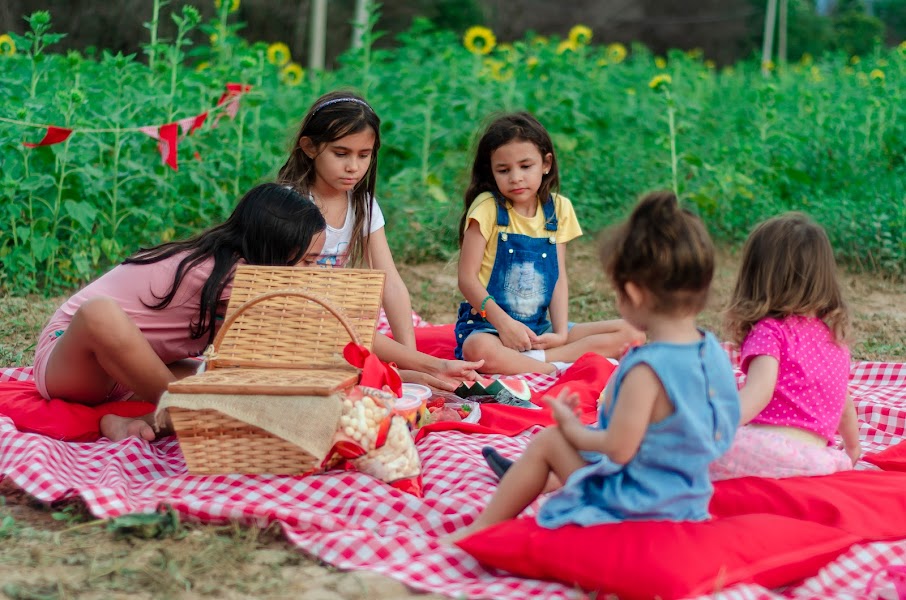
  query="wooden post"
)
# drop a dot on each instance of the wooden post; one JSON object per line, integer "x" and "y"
{"x": 767, "y": 48}
{"x": 359, "y": 23}
{"x": 781, "y": 39}
{"x": 317, "y": 35}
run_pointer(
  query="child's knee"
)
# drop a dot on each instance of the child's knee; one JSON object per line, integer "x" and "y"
{"x": 480, "y": 346}
{"x": 101, "y": 318}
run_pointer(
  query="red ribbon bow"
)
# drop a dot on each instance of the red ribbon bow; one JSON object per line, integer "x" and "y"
{"x": 375, "y": 372}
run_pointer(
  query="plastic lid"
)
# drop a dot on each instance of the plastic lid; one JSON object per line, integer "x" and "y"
{"x": 422, "y": 392}
{"x": 407, "y": 402}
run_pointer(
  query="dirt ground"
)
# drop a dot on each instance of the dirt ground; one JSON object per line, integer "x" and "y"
{"x": 56, "y": 552}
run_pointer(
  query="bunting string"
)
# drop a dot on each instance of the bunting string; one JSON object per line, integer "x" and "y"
{"x": 167, "y": 135}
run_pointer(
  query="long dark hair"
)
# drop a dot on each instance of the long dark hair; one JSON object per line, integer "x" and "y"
{"x": 272, "y": 225}
{"x": 333, "y": 116}
{"x": 520, "y": 126}
{"x": 788, "y": 268}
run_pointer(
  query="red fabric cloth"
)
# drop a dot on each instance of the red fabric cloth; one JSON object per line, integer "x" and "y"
{"x": 662, "y": 559}
{"x": 586, "y": 377}
{"x": 375, "y": 373}
{"x": 436, "y": 340}
{"x": 891, "y": 459}
{"x": 58, "y": 419}
{"x": 869, "y": 504}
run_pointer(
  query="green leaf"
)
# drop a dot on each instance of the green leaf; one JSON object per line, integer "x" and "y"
{"x": 82, "y": 213}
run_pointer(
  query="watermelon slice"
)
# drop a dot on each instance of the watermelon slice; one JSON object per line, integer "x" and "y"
{"x": 485, "y": 386}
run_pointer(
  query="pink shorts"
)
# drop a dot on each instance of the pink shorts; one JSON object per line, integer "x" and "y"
{"x": 759, "y": 452}
{"x": 46, "y": 343}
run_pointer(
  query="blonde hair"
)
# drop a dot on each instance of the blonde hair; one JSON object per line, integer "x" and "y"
{"x": 664, "y": 248}
{"x": 788, "y": 268}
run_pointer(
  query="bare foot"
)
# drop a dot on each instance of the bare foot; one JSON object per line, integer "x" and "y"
{"x": 117, "y": 428}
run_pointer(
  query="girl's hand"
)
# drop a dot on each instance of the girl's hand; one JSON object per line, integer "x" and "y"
{"x": 549, "y": 340}
{"x": 446, "y": 375}
{"x": 409, "y": 376}
{"x": 516, "y": 335}
{"x": 565, "y": 408}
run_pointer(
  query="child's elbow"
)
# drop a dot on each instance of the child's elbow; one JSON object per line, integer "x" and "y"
{"x": 621, "y": 456}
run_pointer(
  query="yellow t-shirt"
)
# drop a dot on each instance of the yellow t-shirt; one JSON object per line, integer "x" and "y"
{"x": 484, "y": 212}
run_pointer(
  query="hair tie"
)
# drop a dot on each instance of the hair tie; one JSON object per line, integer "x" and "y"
{"x": 344, "y": 99}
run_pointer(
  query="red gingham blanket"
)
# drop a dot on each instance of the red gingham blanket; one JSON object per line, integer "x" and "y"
{"x": 353, "y": 522}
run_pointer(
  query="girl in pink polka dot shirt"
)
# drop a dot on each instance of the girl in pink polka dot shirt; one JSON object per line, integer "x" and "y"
{"x": 788, "y": 314}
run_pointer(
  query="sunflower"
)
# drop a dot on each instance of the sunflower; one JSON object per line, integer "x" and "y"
{"x": 815, "y": 74}
{"x": 616, "y": 53}
{"x": 510, "y": 54}
{"x": 539, "y": 41}
{"x": 659, "y": 81}
{"x": 531, "y": 62}
{"x": 234, "y": 5}
{"x": 566, "y": 45}
{"x": 877, "y": 75}
{"x": 854, "y": 60}
{"x": 292, "y": 74}
{"x": 278, "y": 54}
{"x": 498, "y": 69}
{"x": 660, "y": 63}
{"x": 479, "y": 40}
{"x": 7, "y": 45}
{"x": 902, "y": 48}
{"x": 580, "y": 35}
{"x": 710, "y": 65}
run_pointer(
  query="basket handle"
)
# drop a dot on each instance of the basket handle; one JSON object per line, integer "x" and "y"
{"x": 285, "y": 292}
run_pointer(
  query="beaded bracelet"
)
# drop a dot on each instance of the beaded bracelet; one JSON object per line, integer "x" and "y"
{"x": 482, "y": 311}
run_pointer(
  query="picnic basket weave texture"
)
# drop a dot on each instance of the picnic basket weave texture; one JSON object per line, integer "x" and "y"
{"x": 283, "y": 335}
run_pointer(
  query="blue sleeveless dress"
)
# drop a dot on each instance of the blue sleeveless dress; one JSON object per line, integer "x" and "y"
{"x": 668, "y": 478}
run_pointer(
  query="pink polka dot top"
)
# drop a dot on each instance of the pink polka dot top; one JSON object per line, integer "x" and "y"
{"x": 812, "y": 377}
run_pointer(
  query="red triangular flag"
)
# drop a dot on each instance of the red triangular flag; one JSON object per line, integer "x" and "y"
{"x": 188, "y": 125}
{"x": 54, "y": 135}
{"x": 167, "y": 141}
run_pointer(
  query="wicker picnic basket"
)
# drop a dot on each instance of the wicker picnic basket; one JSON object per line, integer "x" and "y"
{"x": 281, "y": 344}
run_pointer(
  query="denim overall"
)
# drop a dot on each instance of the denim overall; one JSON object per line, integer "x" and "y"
{"x": 522, "y": 280}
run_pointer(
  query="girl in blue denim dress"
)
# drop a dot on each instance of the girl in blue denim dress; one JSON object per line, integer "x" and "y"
{"x": 669, "y": 411}
{"x": 512, "y": 265}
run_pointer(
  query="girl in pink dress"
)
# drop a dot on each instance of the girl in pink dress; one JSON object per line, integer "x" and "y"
{"x": 788, "y": 314}
{"x": 126, "y": 334}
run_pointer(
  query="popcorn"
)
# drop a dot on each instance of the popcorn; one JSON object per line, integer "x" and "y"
{"x": 376, "y": 441}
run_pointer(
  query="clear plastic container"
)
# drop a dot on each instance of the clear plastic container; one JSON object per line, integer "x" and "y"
{"x": 409, "y": 407}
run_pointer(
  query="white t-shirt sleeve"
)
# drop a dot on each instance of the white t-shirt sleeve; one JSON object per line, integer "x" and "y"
{"x": 377, "y": 217}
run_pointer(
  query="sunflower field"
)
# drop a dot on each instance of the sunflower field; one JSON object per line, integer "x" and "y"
{"x": 826, "y": 136}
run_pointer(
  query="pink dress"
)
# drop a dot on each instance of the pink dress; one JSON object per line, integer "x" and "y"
{"x": 810, "y": 394}
{"x": 131, "y": 286}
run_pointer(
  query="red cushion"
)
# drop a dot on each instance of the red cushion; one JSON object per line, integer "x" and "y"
{"x": 891, "y": 459}
{"x": 436, "y": 340}
{"x": 647, "y": 559}
{"x": 67, "y": 421}
{"x": 870, "y": 504}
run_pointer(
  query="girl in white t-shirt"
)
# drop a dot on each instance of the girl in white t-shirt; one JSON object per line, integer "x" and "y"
{"x": 334, "y": 162}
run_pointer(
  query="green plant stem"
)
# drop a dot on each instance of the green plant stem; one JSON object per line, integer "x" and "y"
{"x": 236, "y": 187}
{"x": 426, "y": 137}
{"x": 114, "y": 195}
{"x": 152, "y": 51}
{"x": 671, "y": 122}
